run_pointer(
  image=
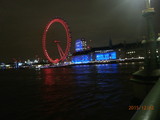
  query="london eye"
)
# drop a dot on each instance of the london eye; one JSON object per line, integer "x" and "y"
{"x": 62, "y": 52}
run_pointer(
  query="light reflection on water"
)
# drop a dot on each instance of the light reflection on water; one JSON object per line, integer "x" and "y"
{"x": 107, "y": 68}
{"x": 49, "y": 78}
{"x": 81, "y": 92}
{"x": 88, "y": 89}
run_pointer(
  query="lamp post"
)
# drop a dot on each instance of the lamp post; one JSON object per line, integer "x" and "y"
{"x": 148, "y": 3}
{"x": 151, "y": 71}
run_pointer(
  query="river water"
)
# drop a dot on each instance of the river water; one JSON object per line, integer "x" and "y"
{"x": 82, "y": 92}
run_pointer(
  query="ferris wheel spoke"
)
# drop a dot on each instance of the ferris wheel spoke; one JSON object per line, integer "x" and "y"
{"x": 61, "y": 53}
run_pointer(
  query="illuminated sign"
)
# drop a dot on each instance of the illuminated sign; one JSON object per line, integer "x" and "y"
{"x": 106, "y": 56}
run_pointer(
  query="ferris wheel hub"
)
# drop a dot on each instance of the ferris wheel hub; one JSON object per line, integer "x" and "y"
{"x": 56, "y": 41}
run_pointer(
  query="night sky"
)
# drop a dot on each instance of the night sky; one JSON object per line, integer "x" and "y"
{"x": 22, "y": 23}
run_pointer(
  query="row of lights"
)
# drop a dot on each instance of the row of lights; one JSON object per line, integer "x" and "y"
{"x": 131, "y": 52}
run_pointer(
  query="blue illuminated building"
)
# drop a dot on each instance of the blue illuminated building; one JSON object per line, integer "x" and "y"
{"x": 113, "y": 53}
{"x": 83, "y": 56}
{"x": 93, "y": 56}
{"x": 105, "y": 56}
{"x": 81, "y": 59}
{"x": 80, "y": 45}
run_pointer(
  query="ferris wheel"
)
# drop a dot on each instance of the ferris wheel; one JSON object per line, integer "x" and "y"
{"x": 63, "y": 53}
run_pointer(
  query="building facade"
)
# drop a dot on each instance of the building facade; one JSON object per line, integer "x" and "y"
{"x": 122, "y": 51}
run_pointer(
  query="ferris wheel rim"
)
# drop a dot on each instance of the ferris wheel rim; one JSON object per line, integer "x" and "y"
{"x": 68, "y": 39}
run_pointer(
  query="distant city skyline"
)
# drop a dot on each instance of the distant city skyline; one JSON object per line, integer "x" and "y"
{"x": 22, "y": 23}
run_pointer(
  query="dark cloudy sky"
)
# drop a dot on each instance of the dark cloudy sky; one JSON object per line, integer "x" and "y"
{"x": 22, "y": 23}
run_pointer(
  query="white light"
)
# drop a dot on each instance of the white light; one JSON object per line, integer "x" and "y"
{"x": 8, "y": 65}
{"x": 149, "y": 2}
{"x": 35, "y": 61}
{"x": 39, "y": 66}
{"x": 19, "y": 64}
{"x": 143, "y": 41}
{"x": 158, "y": 39}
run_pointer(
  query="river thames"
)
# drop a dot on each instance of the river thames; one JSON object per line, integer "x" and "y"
{"x": 81, "y": 92}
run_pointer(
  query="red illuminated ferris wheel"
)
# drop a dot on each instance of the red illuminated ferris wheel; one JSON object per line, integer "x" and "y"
{"x": 63, "y": 53}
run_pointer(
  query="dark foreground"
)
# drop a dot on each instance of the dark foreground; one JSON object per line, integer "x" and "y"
{"x": 84, "y": 92}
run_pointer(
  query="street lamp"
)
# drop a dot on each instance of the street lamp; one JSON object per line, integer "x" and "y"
{"x": 151, "y": 71}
